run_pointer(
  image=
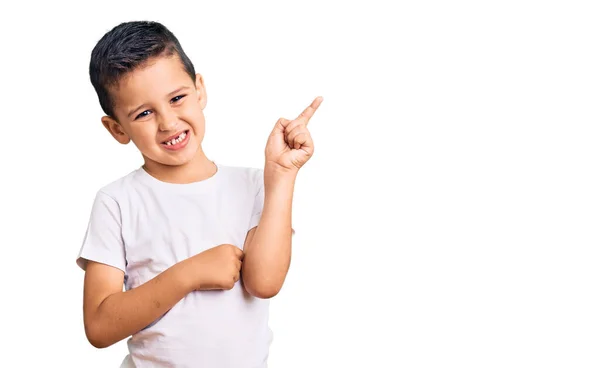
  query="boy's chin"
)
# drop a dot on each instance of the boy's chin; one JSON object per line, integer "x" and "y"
{"x": 163, "y": 157}
{"x": 174, "y": 161}
{"x": 166, "y": 161}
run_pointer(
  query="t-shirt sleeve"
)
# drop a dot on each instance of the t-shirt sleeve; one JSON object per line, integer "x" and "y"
{"x": 259, "y": 200}
{"x": 103, "y": 241}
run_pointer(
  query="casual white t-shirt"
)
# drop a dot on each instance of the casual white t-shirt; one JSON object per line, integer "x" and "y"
{"x": 143, "y": 226}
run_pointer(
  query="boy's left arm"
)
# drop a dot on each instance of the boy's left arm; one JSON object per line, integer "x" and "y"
{"x": 268, "y": 247}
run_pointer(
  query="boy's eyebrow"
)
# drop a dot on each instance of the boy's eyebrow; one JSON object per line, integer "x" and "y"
{"x": 169, "y": 94}
{"x": 178, "y": 90}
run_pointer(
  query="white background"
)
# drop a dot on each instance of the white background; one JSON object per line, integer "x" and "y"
{"x": 449, "y": 216}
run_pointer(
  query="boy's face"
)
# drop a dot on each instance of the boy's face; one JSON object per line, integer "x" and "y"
{"x": 159, "y": 108}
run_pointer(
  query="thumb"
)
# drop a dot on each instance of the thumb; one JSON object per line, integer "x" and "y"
{"x": 280, "y": 126}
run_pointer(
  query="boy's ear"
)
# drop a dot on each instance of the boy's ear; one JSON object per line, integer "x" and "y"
{"x": 200, "y": 91}
{"x": 115, "y": 129}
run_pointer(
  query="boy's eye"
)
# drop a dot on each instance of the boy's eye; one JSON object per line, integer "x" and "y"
{"x": 147, "y": 112}
{"x": 177, "y": 98}
{"x": 142, "y": 114}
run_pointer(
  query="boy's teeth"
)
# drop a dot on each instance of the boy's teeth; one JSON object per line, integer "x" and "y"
{"x": 176, "y": 140}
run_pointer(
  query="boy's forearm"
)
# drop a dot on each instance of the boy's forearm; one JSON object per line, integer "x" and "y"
{"x": 123, "y": 314}
{"x": 267, "y": 257}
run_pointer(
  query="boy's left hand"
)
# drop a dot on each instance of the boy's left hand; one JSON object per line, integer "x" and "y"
{"x": 290, "y": 145}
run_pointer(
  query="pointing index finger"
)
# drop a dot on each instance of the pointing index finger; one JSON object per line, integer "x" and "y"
{"x": 310, "y": 111}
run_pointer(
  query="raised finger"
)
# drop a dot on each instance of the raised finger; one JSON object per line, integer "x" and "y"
{"x": 310, "y": 111}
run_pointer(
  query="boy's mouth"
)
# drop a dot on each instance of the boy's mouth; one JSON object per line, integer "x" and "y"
{"x": 176, "y": 138}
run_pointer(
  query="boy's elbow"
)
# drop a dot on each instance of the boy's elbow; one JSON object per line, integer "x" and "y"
{"x": 96, "y": 338}
{"x": 262, "y": 290}
{"x": 98, "y": 344}
{"x": 266, "y": 292}
{"x": 263, "y": 283}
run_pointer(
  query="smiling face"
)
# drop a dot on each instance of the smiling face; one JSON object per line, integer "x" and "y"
{"x": 160, "y": 108}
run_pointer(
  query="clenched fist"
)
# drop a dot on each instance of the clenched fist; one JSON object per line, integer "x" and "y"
{"x": 218, "y": 268}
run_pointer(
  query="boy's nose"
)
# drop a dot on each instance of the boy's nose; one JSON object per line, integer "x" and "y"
{"x": 167, "y": 125}
{"x": 167, "y": 122}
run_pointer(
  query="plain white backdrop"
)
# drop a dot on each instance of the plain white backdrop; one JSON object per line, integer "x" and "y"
{"x": 448, "y": 218}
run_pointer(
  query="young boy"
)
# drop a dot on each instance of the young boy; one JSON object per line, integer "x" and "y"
{"x": 199, "y": 246}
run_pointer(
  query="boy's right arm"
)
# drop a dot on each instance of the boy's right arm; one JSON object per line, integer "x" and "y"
{"x": 111, "y": 315}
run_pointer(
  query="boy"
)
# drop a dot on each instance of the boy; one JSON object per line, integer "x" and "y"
{"x": 200, "y": 247}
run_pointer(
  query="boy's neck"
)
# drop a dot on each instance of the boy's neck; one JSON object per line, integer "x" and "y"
{"x": 197, "y": 169}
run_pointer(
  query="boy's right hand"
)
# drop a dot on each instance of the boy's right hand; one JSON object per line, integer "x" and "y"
{"x": 218, "y": 268}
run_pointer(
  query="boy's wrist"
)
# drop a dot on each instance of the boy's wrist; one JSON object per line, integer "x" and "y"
{"x": 275, "y": 174}
{"x": 185, "y": 271}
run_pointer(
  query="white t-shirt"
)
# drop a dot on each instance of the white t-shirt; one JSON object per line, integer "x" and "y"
{"x": 143, "y": 226}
